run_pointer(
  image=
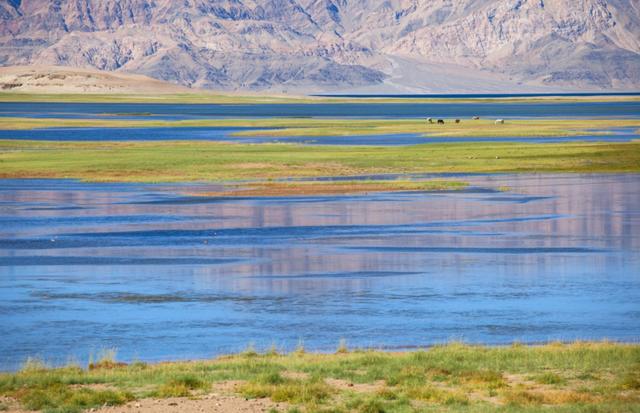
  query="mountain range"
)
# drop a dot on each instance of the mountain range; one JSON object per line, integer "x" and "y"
{"x": 401, "y": 46}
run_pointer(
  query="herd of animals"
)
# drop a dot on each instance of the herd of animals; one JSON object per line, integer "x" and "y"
{"x": 441, "y": 121}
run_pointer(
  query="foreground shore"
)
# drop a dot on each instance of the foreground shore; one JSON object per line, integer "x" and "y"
{"x": 556, "y": 377}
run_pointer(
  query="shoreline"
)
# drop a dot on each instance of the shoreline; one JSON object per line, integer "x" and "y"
{"x": 455, "y": 377}
{"x": 341, "y": 347}
{"x": 206, "y": 97}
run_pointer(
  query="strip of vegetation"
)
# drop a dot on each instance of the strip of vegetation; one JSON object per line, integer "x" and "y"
{"x": 582, "y": 377}
{"x": 184, "y": 161}
{"x": 306, "y": 188}
{"x": 351, "y": 127}
{"x": 212, "y": 97}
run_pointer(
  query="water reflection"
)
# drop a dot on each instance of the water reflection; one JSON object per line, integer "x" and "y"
{"x": 158, "y": 275}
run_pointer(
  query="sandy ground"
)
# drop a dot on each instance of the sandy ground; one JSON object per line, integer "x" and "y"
{"x": 221, "y": 399}
{"x": 58, "y": 79}
{"x": 410, "y": 76}
{"x": 208, "y": 403}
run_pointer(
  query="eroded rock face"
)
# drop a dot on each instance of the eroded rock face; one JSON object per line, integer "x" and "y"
{"x": 327, "y": 44}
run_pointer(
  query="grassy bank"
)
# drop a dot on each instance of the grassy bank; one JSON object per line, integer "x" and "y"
{"x": 216, "y": 98}
{"x": 211, "y": 161}
{"x": 578, "y": 377}
{"x": 350, "y": 127}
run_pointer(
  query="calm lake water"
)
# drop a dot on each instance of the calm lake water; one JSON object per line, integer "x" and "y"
{"x": 360, "y": 110}
{"x": 162, "y": 275}
{"x": 146, "y": 111}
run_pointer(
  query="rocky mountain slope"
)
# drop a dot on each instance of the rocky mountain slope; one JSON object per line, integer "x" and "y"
{"x": 325, "y": 45}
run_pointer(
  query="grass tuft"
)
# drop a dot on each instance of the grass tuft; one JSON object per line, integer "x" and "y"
{"x": 291, "y": 391}
{"x": 250, "y": 351}
{"x": 300, "y": 349}
{"x": 631, "y": 380}
{"x": 34, "y": 364}
{"x": 180, "y": 386}
{"x": 342, "y": 347}
{"x": 106, "y": 360}
{"x": 549, "y": 378}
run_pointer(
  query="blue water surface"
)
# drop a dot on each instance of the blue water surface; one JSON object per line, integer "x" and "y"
{"x": 359, "y": 110}
{"x": 161, "y": 274}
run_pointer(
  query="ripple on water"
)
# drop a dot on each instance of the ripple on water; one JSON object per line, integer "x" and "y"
{"x": 159, "y": 275}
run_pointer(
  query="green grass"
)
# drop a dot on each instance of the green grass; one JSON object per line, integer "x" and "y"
{"x": 212, "y": 97}
{"x": 577, "y": 377}
{"x": 349, "y": 127}
{"x": 466, "y": 128}
{"x": 210, "y": 161}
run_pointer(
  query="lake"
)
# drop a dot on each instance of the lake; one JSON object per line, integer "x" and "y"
{"x": 159, "y": 274}
{"x": 359, "y": 110}
{"x": 146, "y": 111}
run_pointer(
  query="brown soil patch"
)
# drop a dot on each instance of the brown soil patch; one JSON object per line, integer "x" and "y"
{"x": 10, "y": 405}
{"x": 213, "y": 402}
{"x": 93, "y": 386}
{"x": 519, "y": 379}
{"x": 295, "y": 375}
{"x": 62, "y": 79}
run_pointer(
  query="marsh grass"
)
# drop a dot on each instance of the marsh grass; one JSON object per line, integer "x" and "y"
{"x": 549, "y": 378}
{"x": 282, "y": 127}
{"x": 211, "y": 161}
{"x": 105, "y": 359}
{"x": 580, "y": 377}
{"x": 250, "y": 351}
{"x": 293, "y": 391}
{"x": 342, "y": 347}
{"x": 57, "y": 397}
{"x": 300, "y": 349}
{"x": 181, "y": 386}
{"x": 34, "y": 364}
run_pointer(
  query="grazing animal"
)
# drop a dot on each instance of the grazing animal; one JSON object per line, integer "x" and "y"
{"x": 499, "y": 121}
{"x": 440, "y": 122}
{"x": 476, "y": 118}
{"x": 430, "y": 120}
{"x": 457, "y": 120}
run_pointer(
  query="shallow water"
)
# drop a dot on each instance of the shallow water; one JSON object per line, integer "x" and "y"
{"x": 126, "y": 134}
{"x": 224, "y": 134}
{"x": 161, "y": 275}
